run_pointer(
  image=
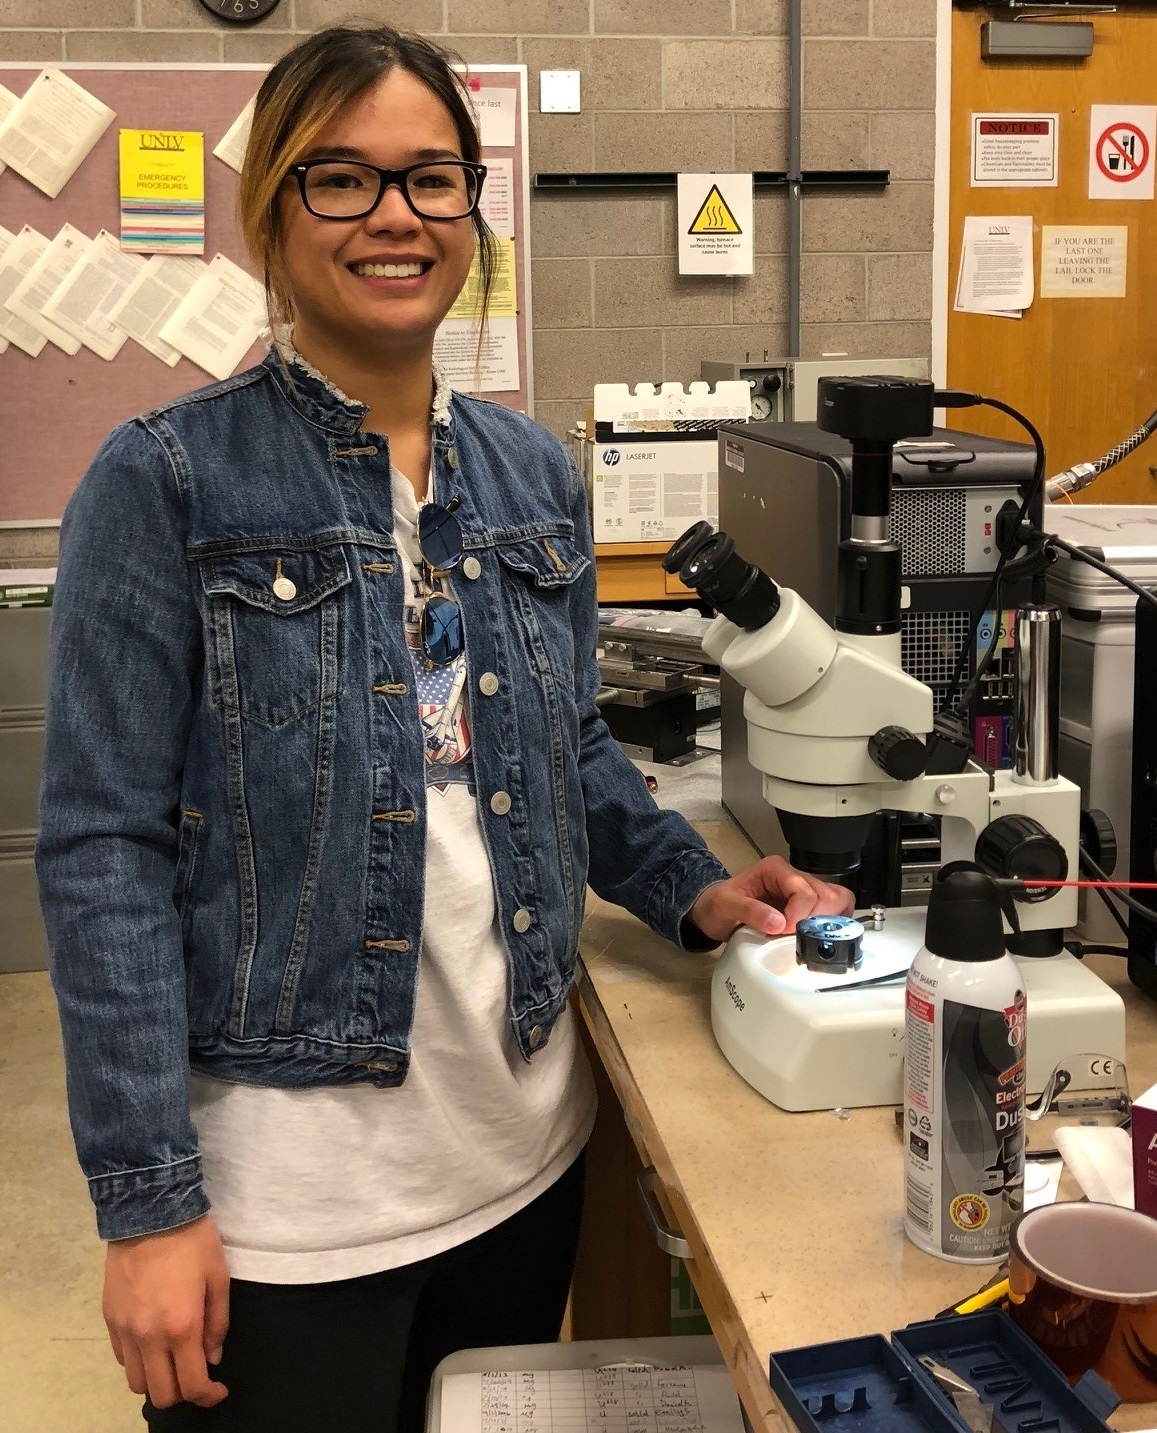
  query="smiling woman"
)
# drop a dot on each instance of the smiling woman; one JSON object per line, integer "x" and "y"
{"x": 364, "y": 88}
{"x": 325, "y": 782}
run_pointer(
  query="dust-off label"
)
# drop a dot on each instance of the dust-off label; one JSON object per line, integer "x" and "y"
{"x": 982, "y": 1150}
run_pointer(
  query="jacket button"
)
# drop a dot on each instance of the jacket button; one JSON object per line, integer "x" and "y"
{"x": 488, "y": 684}
{"x": 534, "y": 1039}
{"x": 522, "y": 920}
{"x": 472, "y": 568}
{"x": 500, "y": 803}
{"x": 284, "y": 589}
{"x": 452, "y": 457}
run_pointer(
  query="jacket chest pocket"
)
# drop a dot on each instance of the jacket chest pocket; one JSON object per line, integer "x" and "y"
{"x": 275, "y": 618}
{"x": 539, "y": 574}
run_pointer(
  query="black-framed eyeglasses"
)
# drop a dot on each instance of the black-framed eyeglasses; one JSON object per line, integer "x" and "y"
{"x": 347, "y": 189}
{"x": 442, "y": 634}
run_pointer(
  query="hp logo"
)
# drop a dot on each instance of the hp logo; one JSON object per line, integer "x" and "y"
{"x": 611, "y": 456}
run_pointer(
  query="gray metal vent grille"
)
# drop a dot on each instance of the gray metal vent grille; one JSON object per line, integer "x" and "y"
{"x": 930, "y": 644}
{"x": 929, "y": 525}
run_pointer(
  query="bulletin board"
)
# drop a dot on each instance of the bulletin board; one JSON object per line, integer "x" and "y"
{"x": 56, "y": 410}
{"x": 1084, "y": 370}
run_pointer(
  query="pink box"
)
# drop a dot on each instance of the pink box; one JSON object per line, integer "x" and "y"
{"x": 1145, "y": 1152}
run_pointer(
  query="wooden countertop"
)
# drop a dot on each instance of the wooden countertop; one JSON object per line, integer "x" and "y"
{"x": 795, "y": 1220}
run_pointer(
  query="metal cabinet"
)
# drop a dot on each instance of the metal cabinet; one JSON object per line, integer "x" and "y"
{"x": 23, "y": 683}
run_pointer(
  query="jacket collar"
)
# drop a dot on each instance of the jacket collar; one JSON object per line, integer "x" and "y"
{"x": 323, "y": 403}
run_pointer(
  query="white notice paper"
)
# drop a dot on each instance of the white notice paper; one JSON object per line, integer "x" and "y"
{"x": 686, "y": 1399}
{"x": 1083, "y": 263}
{"x": 494, "y": 369}
{"x": 996, "y": 265}
{"x": 7, "y": 101}
{"x": 219, "y": 319}
{"x": 6, "y": 238}
{"x": 715, "y": 223}
{"x": 84, "y": 301}
{"x": 494, "y": 109}
{"x": 41, "y": 282}
{"x": 497, "y": 202}
{"x": 51, "y": 129}
{"x": 19, "y": 254}
{"x": 152, "y": 298}
{"x": 231, "y": 149}
{"x": 1014, "y": 151}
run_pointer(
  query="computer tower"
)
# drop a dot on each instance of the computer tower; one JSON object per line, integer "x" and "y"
{"x": 1143, "y": 834}
{"x": 785, "y": 497}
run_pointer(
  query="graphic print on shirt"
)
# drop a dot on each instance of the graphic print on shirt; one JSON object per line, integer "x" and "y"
{"x": 441, "y": 697}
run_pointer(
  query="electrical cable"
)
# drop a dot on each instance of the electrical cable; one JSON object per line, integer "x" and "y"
{"x": 1080, "y": 949}
{"x": 1086, "y": 863}
{"x": 957, "y": 398}
{"x": 1083, "y": 555}
{"x": 964, "y": 703}
{"x": 1135, "y": 906}
{"x": 1081, "y": 475}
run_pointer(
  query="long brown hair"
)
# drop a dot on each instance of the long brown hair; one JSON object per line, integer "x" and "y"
{"x": 303, "y": 92}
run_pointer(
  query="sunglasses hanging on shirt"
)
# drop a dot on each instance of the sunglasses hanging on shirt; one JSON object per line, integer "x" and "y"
{"x": 442, "y": 634}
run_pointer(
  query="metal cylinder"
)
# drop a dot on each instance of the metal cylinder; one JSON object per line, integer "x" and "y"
{"x": 869, "y": 529}
{"x": 1038, "y": 692}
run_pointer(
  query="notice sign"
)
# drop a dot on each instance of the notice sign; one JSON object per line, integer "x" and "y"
{"x": 1014, "y": 151}
{"x": 1121, "y": 143}
{"x": 1083, "y": 263}
{"x": 715, "y": 223}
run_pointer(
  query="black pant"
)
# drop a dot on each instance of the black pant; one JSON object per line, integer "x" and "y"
{"x": 357, "y": 1355}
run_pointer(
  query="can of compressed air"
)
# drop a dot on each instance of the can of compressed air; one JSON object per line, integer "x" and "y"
{"x": 964, "y": 1076}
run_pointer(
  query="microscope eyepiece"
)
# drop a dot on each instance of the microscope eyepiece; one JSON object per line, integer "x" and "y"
{"x": 685, "y": 547}
{"x": 732, "y": 585}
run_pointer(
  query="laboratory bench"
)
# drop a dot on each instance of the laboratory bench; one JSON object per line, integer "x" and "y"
{"x": 794, "y": 1221}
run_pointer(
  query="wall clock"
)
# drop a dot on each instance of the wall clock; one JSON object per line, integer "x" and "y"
{"x": 240, "y": 12}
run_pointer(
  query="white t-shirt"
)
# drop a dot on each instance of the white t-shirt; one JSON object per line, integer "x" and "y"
{"x": 314, "y": 1185}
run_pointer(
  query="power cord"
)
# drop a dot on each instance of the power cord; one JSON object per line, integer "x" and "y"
{"x": 1091, "y": 869}
{"x": 1083, "y": 555}
{"x": 1080, "y": 949}
{"x": 1131, "y": 902}
{"x": 958, "y": 398}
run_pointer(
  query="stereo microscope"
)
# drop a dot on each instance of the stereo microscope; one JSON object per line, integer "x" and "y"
{"x": 840, "y": 732}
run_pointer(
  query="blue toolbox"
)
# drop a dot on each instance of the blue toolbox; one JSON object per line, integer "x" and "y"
{"x": 972, "y": 1374}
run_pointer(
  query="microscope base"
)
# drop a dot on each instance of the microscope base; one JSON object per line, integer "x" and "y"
{"x": 804, "y": 1049}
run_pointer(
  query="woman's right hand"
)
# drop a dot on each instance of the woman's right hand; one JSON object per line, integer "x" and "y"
{"x": 166, "y": 1305}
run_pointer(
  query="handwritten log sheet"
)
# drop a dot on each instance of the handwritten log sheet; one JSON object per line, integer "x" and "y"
{"x": 621, "y": 1398}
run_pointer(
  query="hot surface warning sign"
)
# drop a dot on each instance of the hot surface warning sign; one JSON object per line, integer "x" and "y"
{"x": 715, "y": 219}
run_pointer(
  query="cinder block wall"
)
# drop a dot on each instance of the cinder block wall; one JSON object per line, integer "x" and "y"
{"x": 666, "y": 84}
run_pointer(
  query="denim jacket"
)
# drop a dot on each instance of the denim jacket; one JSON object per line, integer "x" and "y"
{"x": 233, "y": 819}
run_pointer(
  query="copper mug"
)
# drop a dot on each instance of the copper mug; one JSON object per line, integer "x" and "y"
{"x": 1083, "y": 1286}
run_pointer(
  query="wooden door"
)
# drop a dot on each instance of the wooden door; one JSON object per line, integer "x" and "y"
{"x": 1083, "y": 370}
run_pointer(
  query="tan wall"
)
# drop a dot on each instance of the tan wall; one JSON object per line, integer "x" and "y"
{"x": 667, "y": 84}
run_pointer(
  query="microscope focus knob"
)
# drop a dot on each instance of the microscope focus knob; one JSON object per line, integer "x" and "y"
{"x": 898, "y": 753}
{"x": 1019, "y": 848}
